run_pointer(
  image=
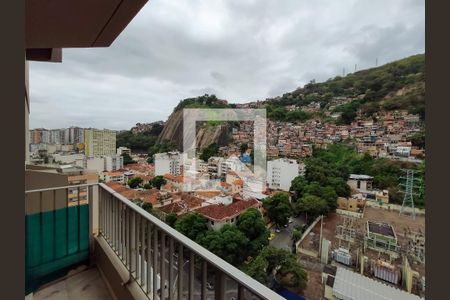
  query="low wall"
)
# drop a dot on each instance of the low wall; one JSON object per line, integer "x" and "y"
{"x": 390, "y": 206}
{"x": 307, "y": 231}
{"x": 349, "y": 213}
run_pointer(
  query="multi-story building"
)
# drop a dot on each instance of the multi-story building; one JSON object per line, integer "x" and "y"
{"x": 281, "y": 172}
{"x": 123, "y": 150}
{"x": 168, "y": 163}
{"x": 76, "y": 135}
{"x": 55, "y": 136}
{"x": 99, "y": 142}
{"x": 113, "y": 162}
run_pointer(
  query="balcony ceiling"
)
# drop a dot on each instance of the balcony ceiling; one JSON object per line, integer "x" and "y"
{"x": 77, "y": 23}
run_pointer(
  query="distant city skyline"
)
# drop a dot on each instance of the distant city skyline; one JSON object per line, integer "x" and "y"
{"x": 239, "y": 51}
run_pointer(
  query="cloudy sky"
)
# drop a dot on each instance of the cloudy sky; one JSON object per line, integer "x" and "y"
{"x": 240, "y": 50}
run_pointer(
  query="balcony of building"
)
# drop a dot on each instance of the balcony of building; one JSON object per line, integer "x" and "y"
{"x": 109, "y": 248}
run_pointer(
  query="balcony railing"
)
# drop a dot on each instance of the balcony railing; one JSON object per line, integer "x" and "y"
{"x": 163, "y": 262}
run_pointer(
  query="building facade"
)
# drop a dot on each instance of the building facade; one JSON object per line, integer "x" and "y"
{"x": 168, "y": 163}
{"x": 99, "y": 142}
{"x": 281, "y": 172}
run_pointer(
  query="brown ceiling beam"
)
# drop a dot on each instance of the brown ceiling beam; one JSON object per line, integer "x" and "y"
{"x": 44, "y": 54}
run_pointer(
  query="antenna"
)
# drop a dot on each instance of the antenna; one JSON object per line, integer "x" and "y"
{"x": 376, "y": 62}
{"x": 355, "y": 67}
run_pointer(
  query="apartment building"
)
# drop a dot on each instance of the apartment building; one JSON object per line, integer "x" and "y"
{"x": 168, "y": 163}
{"x": 99, "y": 142}
{"x": 123, "y": 150}
{"x": 281, "y": 172}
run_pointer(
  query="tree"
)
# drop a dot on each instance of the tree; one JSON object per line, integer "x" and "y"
{"x": 192, "y": 225}
{"x": 296, "y": 234}
{"x": 298, "y": 186}
{"x": 227, "y": 243}
{"x": 244, "y": 147}
{"x": 284, "y": 264}
{"x": 209, "y": 151}
{"x": 127, "y": 159}
{"x": 312, "y": 205}
{"x": 147, "y": 186}
{"x": 171, "y": 219}
{"x": 135, "y": 182}
{"x": 158, "y": 181}
{"x": 148, "y": 207}
{"x": 278, "y": 208}
{"x": 251, "y": 224}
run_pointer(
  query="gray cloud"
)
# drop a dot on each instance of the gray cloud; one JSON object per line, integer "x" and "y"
{"x": 239, "y": 50}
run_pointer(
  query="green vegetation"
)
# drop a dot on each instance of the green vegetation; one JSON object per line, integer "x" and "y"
{"x": 251, "y": 224}
{"x": 158, "y": 181}
{"x": 227, "y": 243}
{"x": 418, "y": 139}
{"x": 280, "y": 113}
{"x": 278, "y": 208}
{"x": 244, "y": 245}
{"x": 127, "y": 159}
{"x": 376, "y": 89}
{"x": 171, "y": 219}
{"x": 192, "y": 225}
{"x": 211, "y": 150}
{"x": 205, "y": 101}
{"x": 148, "y": 207}
{"x": 135, "y": 182}
{"x": 136, "y": 142}
{"x": 284, "y": 264}
{"x": 327, "y": 172}
{"x": 163, "y": 146}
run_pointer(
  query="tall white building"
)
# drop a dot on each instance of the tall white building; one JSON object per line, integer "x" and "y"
{"x": 168, "y": 163}
{"x": 281, "y": 172}
{"x": 104, "y": 163}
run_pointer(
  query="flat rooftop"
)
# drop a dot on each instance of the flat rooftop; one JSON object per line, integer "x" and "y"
{"x": 381, "y": 228}
{"x": 350, "y": 285}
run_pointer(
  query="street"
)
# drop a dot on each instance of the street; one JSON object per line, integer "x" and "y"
{"x": 283, "y": 239}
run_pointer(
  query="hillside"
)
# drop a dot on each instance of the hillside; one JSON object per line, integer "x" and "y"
{"x": 396, "y": 85}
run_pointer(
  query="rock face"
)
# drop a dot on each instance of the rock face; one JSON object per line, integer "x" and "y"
{"x": 206, "y": 135}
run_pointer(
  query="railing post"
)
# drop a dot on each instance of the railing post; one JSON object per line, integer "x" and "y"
{"x": 180, "y": 270}
{"x": 171, "y": 267}
{"x": 219, "y": 285}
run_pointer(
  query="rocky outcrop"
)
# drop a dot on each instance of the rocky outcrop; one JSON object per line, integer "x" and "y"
{"x": 206, "y": 135}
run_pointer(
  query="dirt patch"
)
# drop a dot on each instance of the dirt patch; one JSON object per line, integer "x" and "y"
{"x": 315, "y": 288}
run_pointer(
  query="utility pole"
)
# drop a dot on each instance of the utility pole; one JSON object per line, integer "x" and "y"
{"x": 376, "y": 62}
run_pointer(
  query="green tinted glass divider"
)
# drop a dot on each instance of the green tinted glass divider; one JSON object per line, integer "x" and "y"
{"x": 55, "y": 241}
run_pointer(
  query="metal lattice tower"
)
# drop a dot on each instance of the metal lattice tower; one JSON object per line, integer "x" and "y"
{"x": 408, "y": 201}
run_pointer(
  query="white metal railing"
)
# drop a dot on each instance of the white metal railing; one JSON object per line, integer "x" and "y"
{"x": 152, "y": 252}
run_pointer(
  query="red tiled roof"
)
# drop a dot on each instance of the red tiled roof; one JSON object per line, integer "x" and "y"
{"x": 219, "y": 212}
{"x": 185, "y": 204}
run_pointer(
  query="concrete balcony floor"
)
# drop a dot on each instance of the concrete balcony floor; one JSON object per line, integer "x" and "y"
{"x": 82, "y": 283}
